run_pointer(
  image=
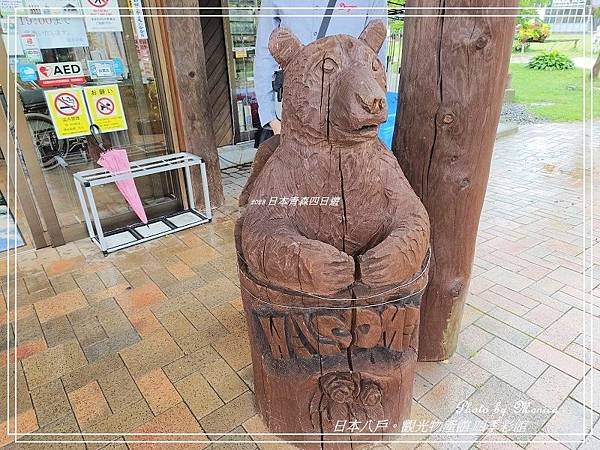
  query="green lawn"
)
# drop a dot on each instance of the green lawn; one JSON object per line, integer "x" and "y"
{"x": 553, "y": 95}
{"x": 568, "y": 48}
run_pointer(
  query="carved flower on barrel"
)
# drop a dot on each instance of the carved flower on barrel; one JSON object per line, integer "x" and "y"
{"x": 346, "y": 396}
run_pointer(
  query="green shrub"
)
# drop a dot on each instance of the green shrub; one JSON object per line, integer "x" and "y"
{"x": 551, "y": 61}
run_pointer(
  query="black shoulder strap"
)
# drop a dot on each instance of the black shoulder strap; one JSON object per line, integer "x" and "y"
{"x": 326, "y": 19}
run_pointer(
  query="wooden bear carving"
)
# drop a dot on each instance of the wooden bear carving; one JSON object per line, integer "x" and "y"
{"x": 331, "y": 209}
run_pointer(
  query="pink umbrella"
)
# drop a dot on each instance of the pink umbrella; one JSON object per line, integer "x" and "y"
{"x": 117, "y": 162}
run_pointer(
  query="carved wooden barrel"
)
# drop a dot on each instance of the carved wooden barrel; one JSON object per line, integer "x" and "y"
{"x": 339, "y": 365}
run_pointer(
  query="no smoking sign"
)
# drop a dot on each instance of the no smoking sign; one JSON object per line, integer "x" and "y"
{"x": 66, "y": 104}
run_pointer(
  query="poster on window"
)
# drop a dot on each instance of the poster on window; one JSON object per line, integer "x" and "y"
{"x": 7, "y": 24}
{"x": 101, "y": 16}
{"x": 56, "y": 23}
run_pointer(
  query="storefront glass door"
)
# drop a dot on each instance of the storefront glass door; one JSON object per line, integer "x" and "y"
{"x": 63, "y": 48}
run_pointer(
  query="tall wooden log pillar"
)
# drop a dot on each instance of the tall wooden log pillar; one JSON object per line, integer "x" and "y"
{"x": 189, "y": 102}
{"x": 454, "y": 69}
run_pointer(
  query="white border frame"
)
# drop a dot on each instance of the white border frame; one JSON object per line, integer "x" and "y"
{"x": 10, "y": 96}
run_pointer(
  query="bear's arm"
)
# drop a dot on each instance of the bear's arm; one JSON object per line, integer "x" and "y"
{"x": 278, "y": 255}
{"x": 401, "y": 254}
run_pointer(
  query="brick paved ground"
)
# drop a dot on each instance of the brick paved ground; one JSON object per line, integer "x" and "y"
{"x": 153, "y": 339}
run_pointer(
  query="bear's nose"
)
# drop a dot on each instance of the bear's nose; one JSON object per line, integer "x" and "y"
{"x": 372, "y": 105}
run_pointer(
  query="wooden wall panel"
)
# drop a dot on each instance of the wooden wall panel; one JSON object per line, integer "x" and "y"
{"x": 215, "y": 50}
{"x": 183, "y": 45}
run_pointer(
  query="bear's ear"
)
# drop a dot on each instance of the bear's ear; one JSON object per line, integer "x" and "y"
{"x": 283, "y": 45}
{"x": 374, "y": 35}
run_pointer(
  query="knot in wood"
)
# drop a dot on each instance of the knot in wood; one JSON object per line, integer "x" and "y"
{"x": 192, "y": 74}
{"x": 464, "y": 184}
{"x": 481, "y": 42}
{"x": 456, "y": 288}
{"x": 448, "y": 118}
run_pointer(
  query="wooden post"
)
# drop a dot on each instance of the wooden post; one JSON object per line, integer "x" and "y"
{"x": 185, "y": 62}
{"x": 453, "y": 75}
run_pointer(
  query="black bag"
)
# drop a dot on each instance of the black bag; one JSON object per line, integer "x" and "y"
{"x": 262, "y": 134}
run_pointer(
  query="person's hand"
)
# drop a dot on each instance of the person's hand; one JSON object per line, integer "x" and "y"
{"x": 276, "y": 126}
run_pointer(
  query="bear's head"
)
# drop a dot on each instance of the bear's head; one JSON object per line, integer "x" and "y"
{"x": 334, "y": 88}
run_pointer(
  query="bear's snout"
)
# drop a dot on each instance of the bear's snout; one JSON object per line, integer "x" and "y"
{"x": 372, "y": 104}
{"x": 359, "y": 104}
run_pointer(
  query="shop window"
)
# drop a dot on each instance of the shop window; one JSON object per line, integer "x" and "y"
{"x": 61, "y": 49}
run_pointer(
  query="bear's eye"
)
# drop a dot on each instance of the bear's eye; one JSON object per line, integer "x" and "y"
{"x": 375, "y": 65}
{"x": 329, "y": 65}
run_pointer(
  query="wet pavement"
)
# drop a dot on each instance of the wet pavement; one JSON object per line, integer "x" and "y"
{"x": 153, "y": 339}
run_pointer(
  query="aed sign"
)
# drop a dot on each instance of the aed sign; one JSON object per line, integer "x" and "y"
{"x": 60, "y": 74}
{"x": 68, "y": 112}
{"x": 106, "y": 110}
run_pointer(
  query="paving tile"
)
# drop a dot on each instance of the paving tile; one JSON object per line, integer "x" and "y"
{"x": 543, "y": 315}
{"x": 571, "y": 417}
{"x": 63, "y": 283}
{"x": 229, "y": 416}
{"x": 111, "y": 345}
{"x": 124, "y": 421}
{"x": 59, "y": 305}
{"x": 461, "y": 431}
{"x": 420, "y": 386}
{"x": 119, "y": 389}
{"x": 230, "y": 441}
{"x": 223, "y": 379}
{"x": 186, "y": 365}
{"x": 504, "y": 331}
{"x": 91, "y": 372}
{"x": 89, "y": 405}
{"x": 503, "y": 302}
{"x": 255, "y": 425}
{"x": 472, "y": 339}
{"x": 65, "y": 424}
{"x": 89, "y": 283}
{"x": 111, "y": 277}
{"x": 567, "y": 276}
{"x": 63, "y": 266}
{"x": 140, "y": 298}
{"x": 516, "y": 357}
{"x": 177, "y": 325}
{"x": 552, "y": 387}
{"x": 516, "y": 322}
{"x": 198, "y": 395}
{"x": 564, "y": 330}
{"x": 431, "y": 371}
{"x": 158, "y": 391}
{"x": 235, "y": 349}
{"x": 155, "y": 350}
{"x": 507, "y": 278}
{"x": 503, "y": 370}
{"x": 180, "y": 270}
{"x": 200, "y": 254}
{"x": 177, "y": 419}
{"x": 443, "y": 398}
{"x": 498, "y": 401}
{"x": 586, "y": 392}
{"x": 466, "y": 370}
{"x": 89, "y": 333}
{"x": 53, "y": 363}
{"x": 50, "y": 402}
{"x": 57, "y": 331}
{"x": 247, "y": 376}
{"x": 556, "y": 358}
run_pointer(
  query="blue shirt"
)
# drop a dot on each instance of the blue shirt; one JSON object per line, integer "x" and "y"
{"x": 348, "y": 17}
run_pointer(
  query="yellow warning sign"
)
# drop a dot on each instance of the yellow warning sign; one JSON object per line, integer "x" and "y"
{"x": 68, "y": 112}
{"x": 106, "y": 110}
